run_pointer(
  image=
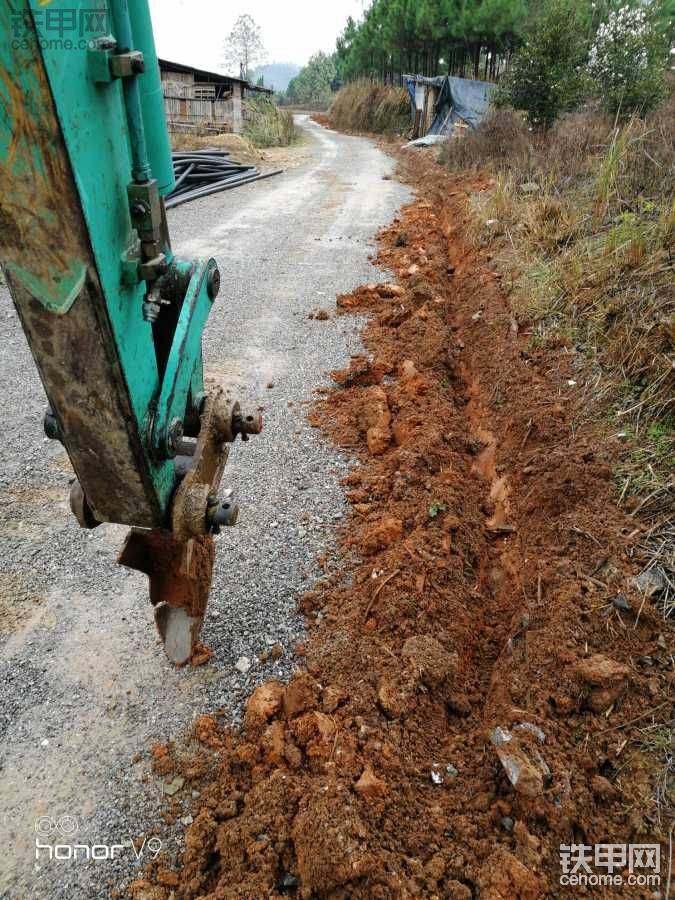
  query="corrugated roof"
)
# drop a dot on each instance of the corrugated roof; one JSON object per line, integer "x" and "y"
{"x": 212, "y": 77}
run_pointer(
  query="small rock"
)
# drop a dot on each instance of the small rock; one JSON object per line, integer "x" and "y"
{"x": 650, "y": 582}
{"x": 436, "y": 774}
{"x": 288, "y": 882}
{"x": 620, "y": 602}
{"x": 369, "y": 785}
{"x": 523, "y": 763}
{"x": 531, "y": 729}
{"x": 172, "y": 787}
{"x": 187, "y": 820}
{"x": 452, "y": 771}
{"x": 507, "y": 823}
{"x": 243, "y": 665}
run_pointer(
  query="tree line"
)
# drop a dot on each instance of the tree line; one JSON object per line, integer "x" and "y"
{"x": 469, "y": 38}
{"x": 474, "y": 38}
{"x": 548, "y": 55}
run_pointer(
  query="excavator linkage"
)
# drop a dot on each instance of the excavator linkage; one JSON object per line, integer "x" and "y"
{"x": 113, "y": 318}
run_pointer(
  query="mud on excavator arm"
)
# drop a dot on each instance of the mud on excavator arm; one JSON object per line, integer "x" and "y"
{"x": 113, "y": 318}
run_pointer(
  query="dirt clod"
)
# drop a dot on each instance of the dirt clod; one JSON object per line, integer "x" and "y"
{"x": 300, "y": 695}
{"x": 265, "y": 702}
{"x": 606, "y": 679}
{"x": 369, "y": 785}
{"x": 504, "y": 877}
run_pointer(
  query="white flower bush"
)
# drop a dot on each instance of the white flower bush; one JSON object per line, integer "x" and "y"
{"x": 626, "y": 60}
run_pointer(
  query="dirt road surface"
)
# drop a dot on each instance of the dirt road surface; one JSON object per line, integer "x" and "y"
{"x": 85, "y": 688}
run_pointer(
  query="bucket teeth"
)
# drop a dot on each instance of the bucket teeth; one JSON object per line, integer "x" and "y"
{"x": 180, "y": 573}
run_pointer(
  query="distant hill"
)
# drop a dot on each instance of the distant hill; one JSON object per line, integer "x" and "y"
{"x": 276, "y": 75}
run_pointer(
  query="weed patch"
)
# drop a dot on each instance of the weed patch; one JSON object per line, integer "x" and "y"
{"x": 582, "y": 218}
{"x": 267, "y": 125}
{"x": 371, "y": 107}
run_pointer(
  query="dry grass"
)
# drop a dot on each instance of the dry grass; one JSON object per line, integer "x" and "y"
{"x": 585, "y": 217}
{"x": 371, "y": 107}
{"x": 267, "y": 125}
{"x": 240, "y": 147}
{"x": 503, "y": 143}
{"x": 581, "y": 222}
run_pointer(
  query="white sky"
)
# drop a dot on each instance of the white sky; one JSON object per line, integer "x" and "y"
{"x": 193, "y": 31}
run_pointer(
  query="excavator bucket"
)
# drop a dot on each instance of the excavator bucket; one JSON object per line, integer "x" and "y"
{"x": 180, "y": 574}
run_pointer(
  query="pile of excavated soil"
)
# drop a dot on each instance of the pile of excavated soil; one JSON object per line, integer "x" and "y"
{"x": 478, "y": 674}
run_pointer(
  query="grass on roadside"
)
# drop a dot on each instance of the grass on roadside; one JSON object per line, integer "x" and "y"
{"x": 371, "y": 107}
{"x": 581, "y": 223}
{"x": 585, "y": 217}
{"x": 240, "y": 147}
{"x": 267, "y": 125}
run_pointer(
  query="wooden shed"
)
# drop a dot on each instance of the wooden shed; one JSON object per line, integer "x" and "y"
{"x": 197, "y": 99}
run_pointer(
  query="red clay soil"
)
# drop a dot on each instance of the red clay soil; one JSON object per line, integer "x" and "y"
{"x": 471, "y": 633}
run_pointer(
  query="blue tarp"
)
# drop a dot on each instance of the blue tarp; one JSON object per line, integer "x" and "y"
{"x": 459, "y": 98}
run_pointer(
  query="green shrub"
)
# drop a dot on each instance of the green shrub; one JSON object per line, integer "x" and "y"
{"x": 548, "y": 72}
{"x": 627, "y": 60}
{"x": 312, "y": 85}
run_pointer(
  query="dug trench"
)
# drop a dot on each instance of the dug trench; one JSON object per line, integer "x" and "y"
{"x": 472, "y": 696}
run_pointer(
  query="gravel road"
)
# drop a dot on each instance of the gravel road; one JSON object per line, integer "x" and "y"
{"x": 85, "y": 688}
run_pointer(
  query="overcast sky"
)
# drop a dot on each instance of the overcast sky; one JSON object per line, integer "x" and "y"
{"x": 193, "y": 31}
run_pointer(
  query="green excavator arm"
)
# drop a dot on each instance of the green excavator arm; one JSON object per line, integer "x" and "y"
{"x": 113, "y": 318}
